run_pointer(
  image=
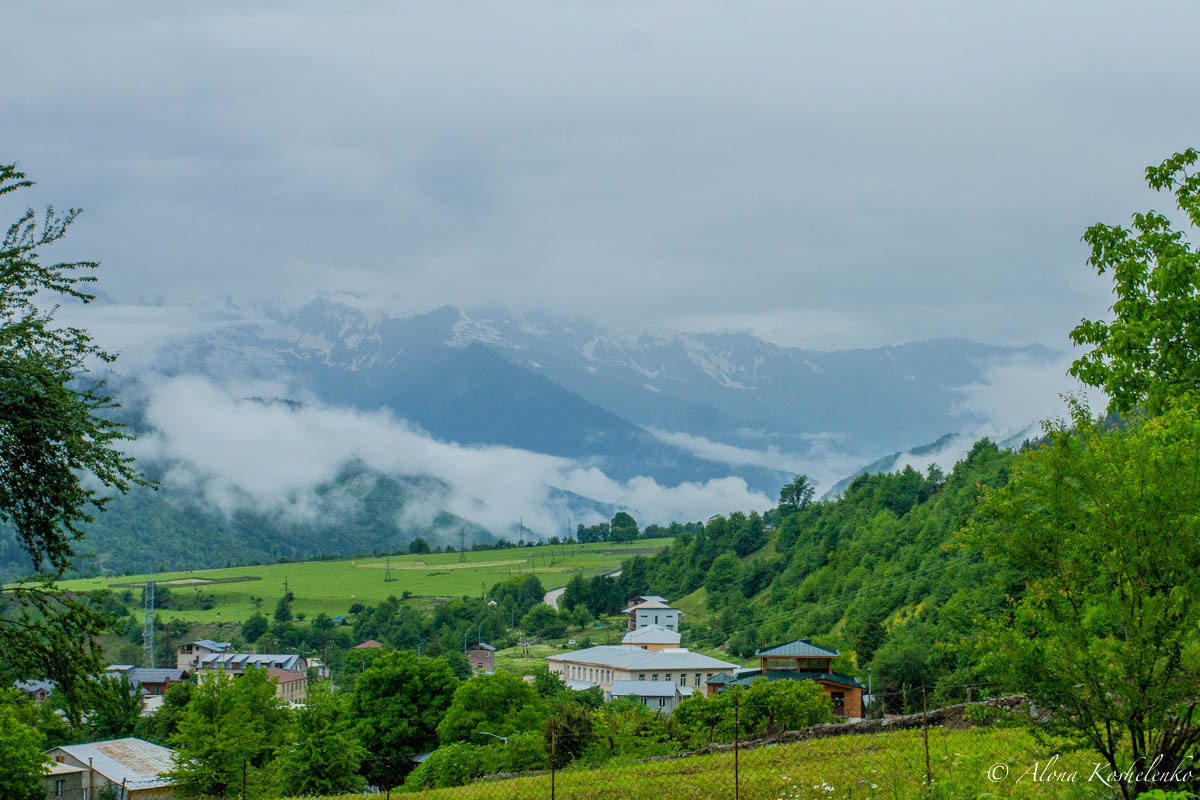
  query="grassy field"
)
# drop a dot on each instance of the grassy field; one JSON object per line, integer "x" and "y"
{"x": 976, "y": 763}
{"x": 333, "y": 586}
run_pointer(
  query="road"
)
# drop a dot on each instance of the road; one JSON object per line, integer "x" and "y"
{"x": 551, "y": 598}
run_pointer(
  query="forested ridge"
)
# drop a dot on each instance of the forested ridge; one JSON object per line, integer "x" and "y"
{"x": 876, "y": 573}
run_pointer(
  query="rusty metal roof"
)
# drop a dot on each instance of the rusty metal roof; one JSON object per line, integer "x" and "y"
{"x": 134, "y": 761}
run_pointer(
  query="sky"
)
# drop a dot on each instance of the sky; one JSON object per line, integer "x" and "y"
{"x": 826, "y": 175}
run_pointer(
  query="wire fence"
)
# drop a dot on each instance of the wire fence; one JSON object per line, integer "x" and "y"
{"x": 741, "y": 769}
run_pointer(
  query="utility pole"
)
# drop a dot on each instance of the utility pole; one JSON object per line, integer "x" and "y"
{"x": 148, "y": 624}
{"x": 462, "y": 546}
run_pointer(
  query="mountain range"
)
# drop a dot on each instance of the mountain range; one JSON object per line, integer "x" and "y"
{"x": 651, "y": 410}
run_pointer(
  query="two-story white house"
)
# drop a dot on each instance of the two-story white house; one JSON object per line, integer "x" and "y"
{"x": 652, "y": 612}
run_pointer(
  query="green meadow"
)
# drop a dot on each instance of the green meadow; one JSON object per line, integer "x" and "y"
{"x": 333, "y": 586}
{"x": 973, "y": 763}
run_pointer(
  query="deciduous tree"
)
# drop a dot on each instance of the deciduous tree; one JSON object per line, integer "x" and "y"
{"x": 60, "y": 454}
{"x": 1150, "y": 351}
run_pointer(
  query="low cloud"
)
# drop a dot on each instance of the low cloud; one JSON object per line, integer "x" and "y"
{"x": 823, "y": 463}
{"x": 272, "y": 457}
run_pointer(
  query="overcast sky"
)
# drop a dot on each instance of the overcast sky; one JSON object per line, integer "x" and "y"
{"x": 828, "y": 175}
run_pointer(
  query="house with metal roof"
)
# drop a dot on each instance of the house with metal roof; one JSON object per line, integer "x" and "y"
{"x": 652, "y": 612}
{"x": 187, "y": 656}
{"x": 658, "y": 696}
{"x": 605, "y": 664}
{"x": 135, "y": 765}
{"x": 482, "y": 657}
{"x": 804, "y": 661}
{"x": 652, "y": 637}
{"x": 291, "y": 687}
{"x": 35, "y": 690}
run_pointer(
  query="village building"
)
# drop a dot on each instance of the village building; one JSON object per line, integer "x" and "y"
{"x": 658, "y": 696}
{"x": 601, "y": 666}
{"x": 132, "y": 765}
{"x": 291, "y": 687}
{"x": 482, "y": 657}
{"x": 652, "y": 637}
{"x": 799, "y": 660}
{"x": 288, "y": 670}
{"x": 153, "y": 681}
{"x": 37, "y": 691}
{"x": 652, "y": 612}
{"x": 187, "y": 656}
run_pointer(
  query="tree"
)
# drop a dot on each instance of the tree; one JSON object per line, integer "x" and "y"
{"x": 575, "y": 593}
{"x": 568, "y": 733}
{"x": 228, "y": 721}
{"x": 542, "y": 620}
{"x": 254, "y": 627}
{"x": 1150, "y": 352}
{"x": 797, "y": 495}
{"x": 1104, "y": 527}
{"x": 623, "y": 528}
{"x": 60, "y": 454}
{"x": 21, "y": 760}
{"x": 500, "y": 704}
{"x": 418, "y": 546}
{"x": 398, "y": 702}
{"x": 114, "y": 707}
{"x": 283, "y": 610}
{"x": 322, "y": 754}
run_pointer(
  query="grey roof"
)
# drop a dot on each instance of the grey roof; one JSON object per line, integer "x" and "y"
{"x": 135, "y": 761}
{"x": 158, "y": 675}
{"x": 30, "y": 687}
{"x": 750, "y": 676}
{"x": 622, "y": 657}
{"x": 801, "y": 648}
{"x": 237, "y": 661}
{"x": 645, "y": 598}
{"x": 651, "y": 634}
{"x": 649, "y": 604}
{"x": 209, "y": 644}
{"x": 482, "y": 646}
{"x": 644, "y": 688}
{"x": 578, "y": 685}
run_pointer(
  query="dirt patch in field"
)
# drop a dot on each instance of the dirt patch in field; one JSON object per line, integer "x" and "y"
{"x": 641, "y": 551}
{"x": 423, "y": 565}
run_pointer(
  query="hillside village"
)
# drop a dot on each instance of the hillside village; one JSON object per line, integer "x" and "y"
{"x": 649, "y": 667}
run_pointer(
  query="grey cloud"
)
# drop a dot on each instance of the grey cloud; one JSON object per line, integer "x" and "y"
{"x": 839, "y": 174}
{"x": 245, "y": 454}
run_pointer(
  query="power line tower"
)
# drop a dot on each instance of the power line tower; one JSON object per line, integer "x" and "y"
{"x": 387, "y": 574}
{"x": 148, "y": 624}
{"x": 462, "y": 545}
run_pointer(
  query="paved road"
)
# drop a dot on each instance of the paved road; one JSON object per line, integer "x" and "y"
{"x": 551, "y": 598}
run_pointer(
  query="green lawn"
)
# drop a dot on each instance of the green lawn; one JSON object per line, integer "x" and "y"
{"x": 333, "y": 586}
{"x": 885, "y": 766}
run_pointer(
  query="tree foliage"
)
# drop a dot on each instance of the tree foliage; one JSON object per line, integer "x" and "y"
{"x": 1104, "y": 526}
{"x": 500, "y": 704}
{"x": 21, "y": 760}
{"x": 231, "y": 725}
{"x": 1150, "y": 352}
{"x": 322, "y": 754}
{"x": 398, "y": 702}
{"x": 54, "y": 431}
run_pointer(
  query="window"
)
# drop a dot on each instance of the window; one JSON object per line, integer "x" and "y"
{"x": 58, "y": 787}
{"x": 697, "y": 683}
{"x": 641, "y": 676}
{"x": 654, "y": 677}
{"x": 683, "y": 679}
{"x": 656, "y": 619}
{"x": 662, "y": 701}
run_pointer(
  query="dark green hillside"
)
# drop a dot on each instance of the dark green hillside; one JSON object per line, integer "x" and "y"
{"x": 876, "y": 573}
